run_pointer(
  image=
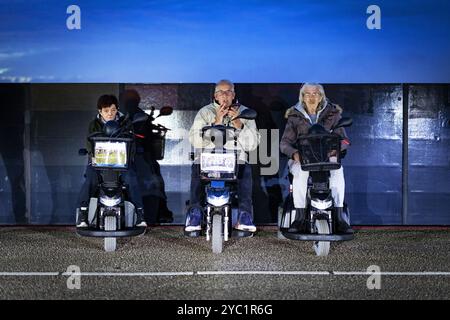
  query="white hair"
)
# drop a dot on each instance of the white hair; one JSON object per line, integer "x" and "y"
{"x": 226, "y": 82}
{"x": 315, "y": 85}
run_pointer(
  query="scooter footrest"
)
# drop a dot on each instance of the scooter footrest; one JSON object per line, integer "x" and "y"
{"x": 241, "y": 234}
{"x": 318, "y": 237}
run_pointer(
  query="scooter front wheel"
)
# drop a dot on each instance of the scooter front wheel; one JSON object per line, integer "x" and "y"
{"x": 322, "y": 248}
{"x": 110, "y": 225}
{"x": 217, "y": 234}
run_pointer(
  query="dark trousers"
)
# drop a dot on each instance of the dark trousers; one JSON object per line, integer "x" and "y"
{"x": 244, "y": 188}
{"x": 90, "y": 186}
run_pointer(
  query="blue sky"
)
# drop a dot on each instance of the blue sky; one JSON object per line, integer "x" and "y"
{"x": 243, "y": 40}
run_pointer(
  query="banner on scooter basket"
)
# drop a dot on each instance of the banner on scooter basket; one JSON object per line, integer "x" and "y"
{"x": 217, "y": 162}
{"x": 108, "y": 154}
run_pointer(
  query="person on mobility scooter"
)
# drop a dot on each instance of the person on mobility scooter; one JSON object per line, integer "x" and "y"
{"x": 110, "y": 199}
{"x": 223, "y": 112}
{"x": 315, "y": 141}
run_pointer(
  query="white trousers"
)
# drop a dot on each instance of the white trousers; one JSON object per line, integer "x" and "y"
{"x": 300, "y": 185}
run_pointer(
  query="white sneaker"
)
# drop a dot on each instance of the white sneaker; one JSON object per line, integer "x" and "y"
{"x": 244, "y": 227}
{"x": 193, "y": 228}
{"x": 193, "y": 221}
{"x": 245, "y": 223}
{"x": 142, "y": 224}
{"x": 82, "y": 224}
{"x": 83, "y": 217}
{"x": 140, "y": 218}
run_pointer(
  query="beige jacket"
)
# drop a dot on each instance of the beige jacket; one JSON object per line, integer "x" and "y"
{"x": 248, "y": 136}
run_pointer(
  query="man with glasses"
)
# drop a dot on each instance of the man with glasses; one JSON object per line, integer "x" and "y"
{"x": 313, "y": 107}
{"x": 222, "y": 112}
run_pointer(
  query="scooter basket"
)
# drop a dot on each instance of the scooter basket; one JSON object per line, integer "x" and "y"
{"x": 156, "y": 144}
{"x": 320, "y": 152}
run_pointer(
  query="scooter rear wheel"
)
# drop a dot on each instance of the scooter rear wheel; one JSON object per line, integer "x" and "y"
{"x": 322, "y": 248}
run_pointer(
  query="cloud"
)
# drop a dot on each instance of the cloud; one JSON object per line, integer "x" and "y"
{"x": 16, "y": 79}
{"x": 44, "y": 78}
{"x": 26, "y": 79}
{"x": 11, "y": 55}
{"x": 4, "y": 55}
{"x": 3, "y": 70}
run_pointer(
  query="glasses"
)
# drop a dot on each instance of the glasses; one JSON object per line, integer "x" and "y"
{"x": 224, "y": 92}
{"x": 313, "y": 94}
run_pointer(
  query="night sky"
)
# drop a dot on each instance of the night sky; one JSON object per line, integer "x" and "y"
{"x": 242, "y": 40}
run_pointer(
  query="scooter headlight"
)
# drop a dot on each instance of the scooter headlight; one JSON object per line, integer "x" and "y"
{"x": 321, "y": 204}
{"x": 217, "y": 197}
{"x": 110, "y": 202}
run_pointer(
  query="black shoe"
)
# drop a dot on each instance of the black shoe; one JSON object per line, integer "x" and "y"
{"x": 165, "y": 215}
{"x": 341, "y": 224}
{"x": 83, "y": 221}
{"x": 299, "y": 224}
{"x": 140, "y": 220}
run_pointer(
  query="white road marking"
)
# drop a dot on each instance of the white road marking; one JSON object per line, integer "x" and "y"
{"x": 387, "y": 273}
{"x": 128, "y": 274}
{"x": 264, "y": 272}
{"x": 29, "y": 274}
{"x": 230, "y": 272}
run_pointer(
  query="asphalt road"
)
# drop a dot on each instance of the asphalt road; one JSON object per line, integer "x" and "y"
{"x": 164, "y": 264}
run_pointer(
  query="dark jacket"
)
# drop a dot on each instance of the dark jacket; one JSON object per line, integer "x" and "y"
{"x": 97, "y": 125}
{"x": 298, "y": 124}
{"x": 148, "y": 170}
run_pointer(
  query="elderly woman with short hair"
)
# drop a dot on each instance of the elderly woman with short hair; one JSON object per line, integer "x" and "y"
{"x": 313, "y": 107}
